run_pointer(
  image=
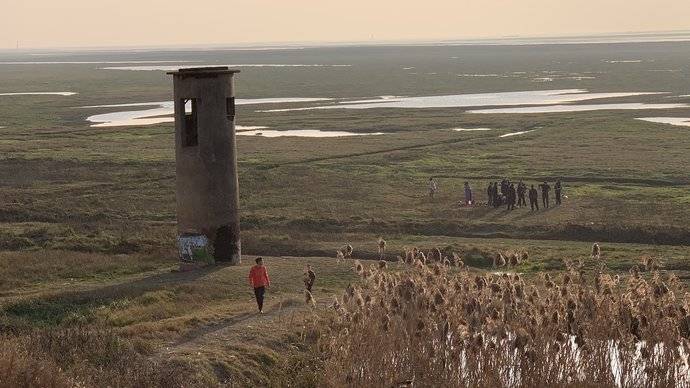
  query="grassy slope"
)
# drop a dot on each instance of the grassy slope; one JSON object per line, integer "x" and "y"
{"x": 206, "y": 320}
{"x": 206, "y": 317}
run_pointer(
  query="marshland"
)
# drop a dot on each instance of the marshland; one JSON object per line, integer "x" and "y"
{"x": 90, "y": 294}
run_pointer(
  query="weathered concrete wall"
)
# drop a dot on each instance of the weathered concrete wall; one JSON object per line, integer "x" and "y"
{"x": 207, "y": 183}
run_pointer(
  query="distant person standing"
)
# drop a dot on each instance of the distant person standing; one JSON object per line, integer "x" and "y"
{"x": 496, "y": 199}
{"x": 504, "y": 187}
{"x": 468, "y": 194}
{"x": 309, "y": 278}
{"x": 596, "y": 251}
{"x": 490, "y": 194}
{"x": 258, "y": 279}
{"x": 433, "y": 187}
{"x": 382, "y": 247}
{"x": 557, "y": 190}
{"x": 533, "y": 198}
{"x": 521, "y": 190}
{"x": 511, "y": 197}
{"x": 545, "y": 189}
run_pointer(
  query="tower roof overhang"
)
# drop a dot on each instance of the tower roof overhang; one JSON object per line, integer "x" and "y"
{"x": 203, "y": 71}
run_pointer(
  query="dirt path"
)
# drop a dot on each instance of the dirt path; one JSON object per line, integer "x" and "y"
{"x": 230, "y": 329}
{"x": 222, "y": 331}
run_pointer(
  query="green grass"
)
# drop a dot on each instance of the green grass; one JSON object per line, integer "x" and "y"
{"x": 87, "y": 215}
{"x": 92, "y": 197}
{"x": 92, "y": 184}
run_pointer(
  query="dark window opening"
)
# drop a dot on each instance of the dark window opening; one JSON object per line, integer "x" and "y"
{"x": 190, "y": 134}
{"x": 230, "y": 108}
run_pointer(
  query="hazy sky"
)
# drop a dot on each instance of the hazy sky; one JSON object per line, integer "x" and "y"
{"x": 70, "y": 23}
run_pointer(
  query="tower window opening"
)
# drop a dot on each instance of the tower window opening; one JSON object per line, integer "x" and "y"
{"x": 230, "y": 108}
{"x": 190, "y": 134}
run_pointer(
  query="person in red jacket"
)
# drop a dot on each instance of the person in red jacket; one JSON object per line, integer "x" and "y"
{"x": 258, "y": 279}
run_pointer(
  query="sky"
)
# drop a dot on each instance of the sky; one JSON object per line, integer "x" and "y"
{"x": 108, "y": 23}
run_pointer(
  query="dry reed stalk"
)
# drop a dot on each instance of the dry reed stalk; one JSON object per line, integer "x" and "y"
{"x": 438, "y": 327}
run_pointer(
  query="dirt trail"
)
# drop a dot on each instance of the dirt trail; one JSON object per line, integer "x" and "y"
{"x": 228, "y": 329}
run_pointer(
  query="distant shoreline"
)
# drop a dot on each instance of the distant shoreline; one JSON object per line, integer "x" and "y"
{"x": 617, "y": 38}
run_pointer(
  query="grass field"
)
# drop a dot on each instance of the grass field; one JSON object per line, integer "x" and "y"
{"x": 87, "y": 215}
{"x": 113, "y": 189}
{"x": 201, "y": 323}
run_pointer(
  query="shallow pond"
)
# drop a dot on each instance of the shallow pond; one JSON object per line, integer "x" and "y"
{"x": 304, "y": 133}
{"x": 162, "y": 111}
{"x": 175, "y": 68}
{"x": 517, "y": 133}
{"x": 680, "y": 121}
{"x": 39, "y": 94}
{"x": 471, "y": 129}
{"x": 534, "y": 97}
{"x": 579, "y": 108}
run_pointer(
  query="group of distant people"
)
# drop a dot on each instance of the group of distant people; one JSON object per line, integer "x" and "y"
{"x": 508, "y": 194}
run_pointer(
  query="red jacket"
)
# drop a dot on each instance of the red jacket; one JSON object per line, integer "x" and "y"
{"x": 258, "y": 276}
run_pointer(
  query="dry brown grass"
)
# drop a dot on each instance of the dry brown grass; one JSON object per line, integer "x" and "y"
{"x": 20, "y": 368}
{"x": 89, "y": 357}
{"x": 158, "y": 328}
{"x": 431, "y": 326}
{"x": 430, "y": 322}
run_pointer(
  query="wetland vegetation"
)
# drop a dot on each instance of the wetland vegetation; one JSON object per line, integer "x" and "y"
{"x": 87, "y": 214}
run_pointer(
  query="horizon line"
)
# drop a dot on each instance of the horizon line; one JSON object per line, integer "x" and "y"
{"x": 684, "y": 35}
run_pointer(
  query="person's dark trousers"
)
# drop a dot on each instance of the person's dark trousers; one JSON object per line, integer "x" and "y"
{"x": 521, "y": 201}
{"x": 558, "y": 197}
{"x": 309, "y": 285}
{"x": 545, "y": 200}
{"x": 259, "y": 293}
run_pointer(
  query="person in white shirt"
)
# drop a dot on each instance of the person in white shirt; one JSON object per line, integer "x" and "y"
{"x": 433, "y": 187}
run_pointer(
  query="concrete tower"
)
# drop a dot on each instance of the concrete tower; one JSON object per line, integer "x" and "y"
{"x": 206, "y": 158}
